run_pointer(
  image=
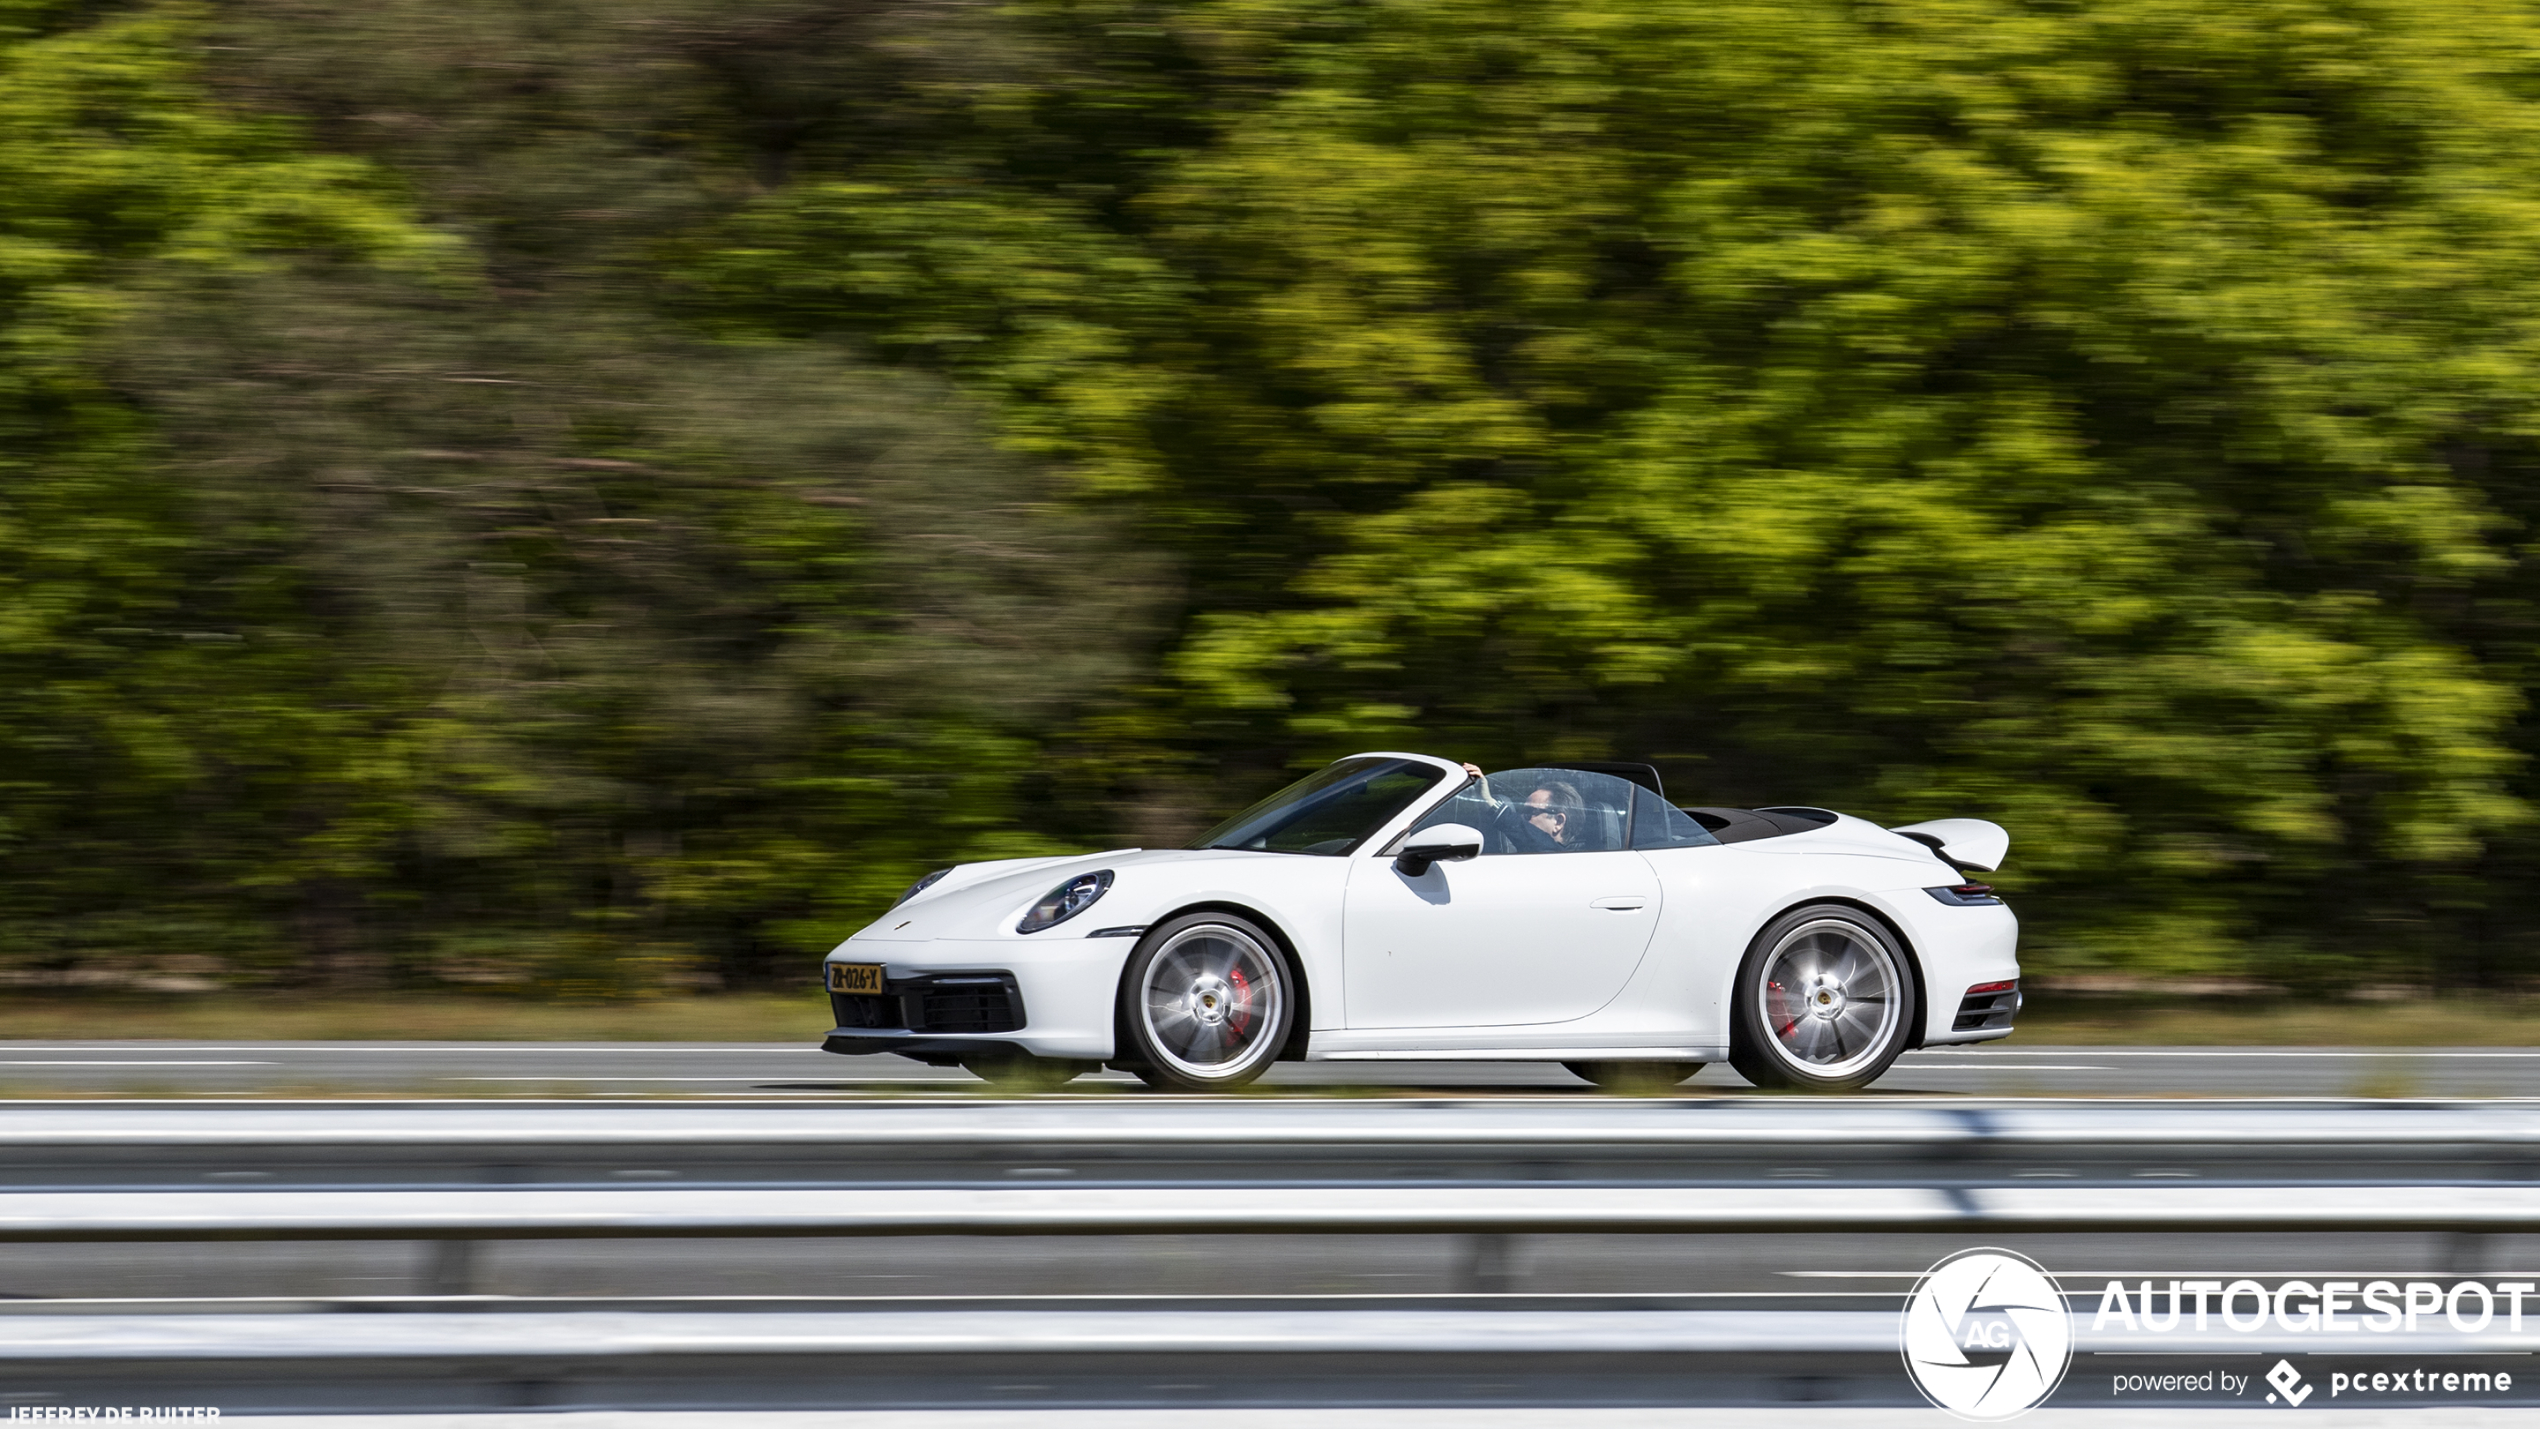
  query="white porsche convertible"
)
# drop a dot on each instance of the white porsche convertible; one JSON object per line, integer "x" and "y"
{"x": 1395, "y": 907}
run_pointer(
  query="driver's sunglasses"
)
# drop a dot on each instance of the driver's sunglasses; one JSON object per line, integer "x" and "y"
{"x": 1535, "y": 811}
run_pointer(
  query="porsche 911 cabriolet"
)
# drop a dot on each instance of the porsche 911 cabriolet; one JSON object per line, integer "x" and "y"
{"x": 1401, "y": 907}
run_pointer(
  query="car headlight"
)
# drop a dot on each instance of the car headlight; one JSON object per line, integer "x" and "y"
{"x": 920, "y": 886}
{"x": 1066, "y": 901}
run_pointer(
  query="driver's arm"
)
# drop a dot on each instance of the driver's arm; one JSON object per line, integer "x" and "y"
{"x": 1505, "y": 827}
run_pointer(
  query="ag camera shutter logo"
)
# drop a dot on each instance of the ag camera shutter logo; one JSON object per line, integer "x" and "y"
{"x": 1986, "y": 1335}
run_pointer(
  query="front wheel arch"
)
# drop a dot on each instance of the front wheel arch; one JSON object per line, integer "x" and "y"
{"x": 1143, "y": 1047}
{"x": 1294, "y": 1049}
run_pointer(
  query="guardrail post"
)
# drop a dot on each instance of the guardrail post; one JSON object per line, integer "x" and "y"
{"x": 449, "y": 1267}
{"x": 2465, "y": 1252}
{"x": 1486, "y": 1264}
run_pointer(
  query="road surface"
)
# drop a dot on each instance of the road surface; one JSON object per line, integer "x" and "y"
{"x": 496, "y": 1069}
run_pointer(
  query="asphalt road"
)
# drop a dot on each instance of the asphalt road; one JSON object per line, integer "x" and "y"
{"x": 662, "y": 1069}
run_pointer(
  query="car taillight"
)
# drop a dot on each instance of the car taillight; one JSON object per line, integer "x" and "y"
{"x": 1984, "y": 987}
{"x": 1973, "y": 890}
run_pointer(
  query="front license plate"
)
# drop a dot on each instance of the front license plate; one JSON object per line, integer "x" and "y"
{"x": 865, "y": 978}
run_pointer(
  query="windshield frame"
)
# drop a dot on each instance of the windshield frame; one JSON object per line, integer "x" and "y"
{"x": 1262, "y": 820}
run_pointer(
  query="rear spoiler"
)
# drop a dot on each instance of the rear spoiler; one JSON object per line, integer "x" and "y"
{"x": 1968, "y": 845}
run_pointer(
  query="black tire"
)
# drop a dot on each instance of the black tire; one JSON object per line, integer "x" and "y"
{"x": 1023, "y": 1072}
{"x": 1640, "y": 1077}
{"x": 1206, "y": 1003}
{"x": 1824, "y": 1001}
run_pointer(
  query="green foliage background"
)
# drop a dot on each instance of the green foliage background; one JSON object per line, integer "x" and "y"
{"x": 598, "y": 494}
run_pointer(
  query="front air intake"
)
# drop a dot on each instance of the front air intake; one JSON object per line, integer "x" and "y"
{"x": 945, "y": 1004}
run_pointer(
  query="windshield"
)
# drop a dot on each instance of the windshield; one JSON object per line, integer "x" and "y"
{"x": 1330, "y": 811}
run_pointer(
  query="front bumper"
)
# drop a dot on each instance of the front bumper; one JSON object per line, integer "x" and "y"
{"x": 934, "y": 1017}
{"x": 947, "y": 999}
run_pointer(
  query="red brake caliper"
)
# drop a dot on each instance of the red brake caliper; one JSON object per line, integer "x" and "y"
{"x": 1777, "y": 987}
{"x": 1241, "y": 1017}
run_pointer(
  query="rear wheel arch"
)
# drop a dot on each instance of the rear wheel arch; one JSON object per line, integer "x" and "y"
{"x": 1913, "y": 959}
{"x": 1913, "y": 965}
{"x": 1767, "y": 1055}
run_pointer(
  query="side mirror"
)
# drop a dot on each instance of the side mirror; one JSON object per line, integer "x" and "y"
{"x": 1438, "y": 843}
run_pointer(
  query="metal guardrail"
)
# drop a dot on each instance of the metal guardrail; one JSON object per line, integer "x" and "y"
{"x": 608, "y": 1334}
{"x": 604, "y": 1334}
{"x": 976, "y": 1366}
{"x": 463, "y": 1171}
{"x": 1429, "y": 1208}
{"x": 1679, "y": 1123}
{"x": 459, "y": 1173}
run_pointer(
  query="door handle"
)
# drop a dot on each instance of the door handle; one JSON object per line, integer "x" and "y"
{"x": 1621, "y": 905}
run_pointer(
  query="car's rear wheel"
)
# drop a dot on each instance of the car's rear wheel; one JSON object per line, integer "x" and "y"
{"x": 1023, "y": 1072}
{"x": 1824, "y": 1002}
{"x": 1633, "y": 1076}
{"x": 1205, "y": 1003}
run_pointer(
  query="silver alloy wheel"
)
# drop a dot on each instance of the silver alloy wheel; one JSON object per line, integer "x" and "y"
{"x": 1830, "y": 996}
{"x": 1212, "y": 998}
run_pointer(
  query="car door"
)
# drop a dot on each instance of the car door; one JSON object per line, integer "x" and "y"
{"x": 1546, "y": 925}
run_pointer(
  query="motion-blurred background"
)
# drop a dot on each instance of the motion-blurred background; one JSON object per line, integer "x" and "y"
{"x": 593, "y": 496}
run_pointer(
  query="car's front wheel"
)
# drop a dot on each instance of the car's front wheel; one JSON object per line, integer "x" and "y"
{"x": 1205, "y": 1003}
{"x": 1824, "y": 1002}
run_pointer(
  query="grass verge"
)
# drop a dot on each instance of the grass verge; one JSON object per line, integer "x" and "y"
{"x": 2245, "y": 1020}
{"x": 739, "y": 1017}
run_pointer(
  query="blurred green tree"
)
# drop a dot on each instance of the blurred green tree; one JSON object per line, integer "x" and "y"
{"x": 600, "y": 493}
{"x": 2093, "y": 419}
{"x": 452, "y": 617}
{"x": 121, "y": 697}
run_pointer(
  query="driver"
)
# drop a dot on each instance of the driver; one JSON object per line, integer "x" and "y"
{"x": 1542, "y": 823}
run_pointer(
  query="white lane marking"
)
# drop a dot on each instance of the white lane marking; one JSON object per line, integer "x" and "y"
{"x": 2005, "y": 1067}
{"x": 670, "y": 1098}
{"x": 2241, "y": 1052}
{"x": 657, "y": 1049}
{"x": 406, "y": 1049}
{"x": 937, "y": 1095}
{"x": 571, "y": 1077}
{"x": 2002, "y": 1056}
{"x": 153, "y": 1062}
